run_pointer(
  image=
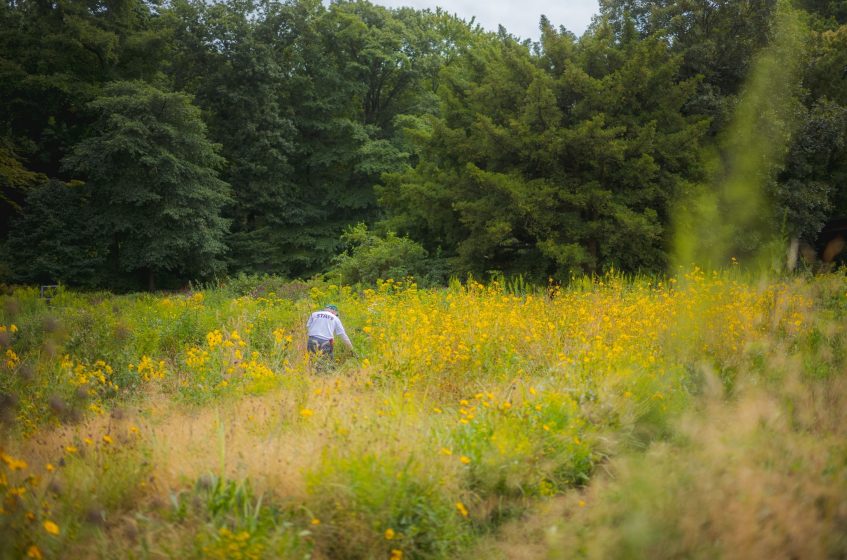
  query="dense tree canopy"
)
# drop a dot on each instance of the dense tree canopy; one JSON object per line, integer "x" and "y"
{"x": 152, "y": 173}
{"x": 124, "y": 120}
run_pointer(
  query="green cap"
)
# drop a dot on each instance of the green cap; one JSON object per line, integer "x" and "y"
{"x": 331, "y": 307}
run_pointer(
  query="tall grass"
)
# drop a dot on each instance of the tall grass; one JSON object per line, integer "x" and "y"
{"x": 698, "y": 416}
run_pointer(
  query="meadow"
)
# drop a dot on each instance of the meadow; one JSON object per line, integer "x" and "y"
{"x": 696, "y": 416}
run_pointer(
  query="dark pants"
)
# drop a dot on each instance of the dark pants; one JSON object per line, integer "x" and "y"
{"x": 322, "y": 350}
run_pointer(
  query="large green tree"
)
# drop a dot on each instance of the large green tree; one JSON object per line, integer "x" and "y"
{"x": 358, "y": 73}
{"x": 152, "y": 175}
{"x": 54, "y": 57}
{"x": 494, "y": 154}
{"x": 561, "y": 162}
{"x": 237, "y": 72}
{"x": 303, "y": 99}
{"x": 721, "y": 44}
{"x": 821, "y": 147}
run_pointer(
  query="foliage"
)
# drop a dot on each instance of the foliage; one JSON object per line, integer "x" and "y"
{"x": 384, "y": 504}
{"x": 57, "y": 239}
{"x": 15, "y": 180}
{"x": 153, "y": 182}
{"x": 472, "y": 407}
{"x": 555, "y": 166}
{"x": 369, "y": 257}
{"x": 542, "y": 158}
{"x": 236, "y": 77}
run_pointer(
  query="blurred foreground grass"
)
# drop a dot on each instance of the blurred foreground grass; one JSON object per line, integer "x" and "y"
{"x": 701, "y": 416}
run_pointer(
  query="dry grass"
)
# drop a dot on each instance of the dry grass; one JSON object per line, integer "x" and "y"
{"x": 760, "y": 476}
{"x": 717, "y": 408}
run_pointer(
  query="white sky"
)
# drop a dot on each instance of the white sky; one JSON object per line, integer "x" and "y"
{"x": 519, "y": 17}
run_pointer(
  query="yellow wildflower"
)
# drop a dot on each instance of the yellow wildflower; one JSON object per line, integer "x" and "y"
{"x": 51, "y": 527}
{"x": 13, "y": 463}
{"x": 462, "y": 509}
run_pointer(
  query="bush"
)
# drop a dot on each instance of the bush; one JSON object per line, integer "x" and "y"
{"x": 264, "y": 285}
{"x": 369, "y": 257}
{"x": 379, "y": 503}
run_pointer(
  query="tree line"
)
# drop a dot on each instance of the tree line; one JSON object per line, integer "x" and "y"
{"x": 146, "y": 143}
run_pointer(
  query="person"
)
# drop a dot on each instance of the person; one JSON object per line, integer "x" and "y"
{"x": 322, "y": 327}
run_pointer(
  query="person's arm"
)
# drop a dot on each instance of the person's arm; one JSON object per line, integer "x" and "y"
{"x": 339, "y": 331}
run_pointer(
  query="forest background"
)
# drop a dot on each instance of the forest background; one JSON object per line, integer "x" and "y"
{"x": 147, "y": 144}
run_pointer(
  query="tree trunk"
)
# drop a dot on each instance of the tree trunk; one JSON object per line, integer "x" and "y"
{"x": 593, "y": 247}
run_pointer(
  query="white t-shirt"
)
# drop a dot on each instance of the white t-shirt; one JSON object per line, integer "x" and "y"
{"x": 325, "y": 325}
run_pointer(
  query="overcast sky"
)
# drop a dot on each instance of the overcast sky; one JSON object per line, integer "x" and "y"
{"x": 519, "y": 17}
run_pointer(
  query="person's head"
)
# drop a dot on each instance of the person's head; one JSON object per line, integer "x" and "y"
{"x": 332, "y": 309}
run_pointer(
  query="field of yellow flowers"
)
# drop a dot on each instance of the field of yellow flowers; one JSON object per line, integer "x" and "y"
{"x": 699, "y": 416}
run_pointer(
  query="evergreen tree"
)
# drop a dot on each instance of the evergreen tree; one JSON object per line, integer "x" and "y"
{"x": 561, "y": 163}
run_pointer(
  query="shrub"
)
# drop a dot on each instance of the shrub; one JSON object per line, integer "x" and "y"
{"x": 369, "y": 257}
{"x": 370, "y": 503}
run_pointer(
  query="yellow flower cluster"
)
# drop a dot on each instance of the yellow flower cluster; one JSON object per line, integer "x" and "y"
{"x": 233, "y": 341}
{"x": 214, "y": 339}
{"x": 13, "y": 463}
{"x": 613, "y": 328}
{"x": 228, "y": 357}
{"x": 281, "y": 336}
{"x": 12, "y": 359}
{"x": 229, "y": 545}
{"x": 24, "y": 503}
{"x": 196, "y": 358}
{"x": 96, "y": 379}
{"x": 148, "y": 370}
{"x": 253, "y": 369}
